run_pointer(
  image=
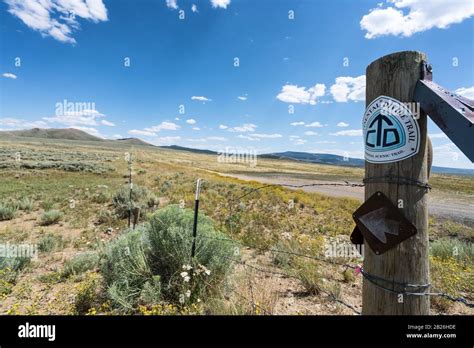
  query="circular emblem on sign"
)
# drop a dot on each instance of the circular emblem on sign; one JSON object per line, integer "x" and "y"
{"x": 391, "y": 133}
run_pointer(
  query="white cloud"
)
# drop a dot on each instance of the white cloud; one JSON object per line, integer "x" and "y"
{"x": 191, "y": 121}
{"x": 152, "y": 131}
{"x": 141, "y": 132}
{"x": 107, "y": 123}
{"x": 314, "y": 125}
{"x": 86, "y": 117}
{"x": 267, "y": 136}
{"x": 326, "y": 142}
{"x": 343, "y": 124}
{"x": 348, "y": 88}
{"x": 217, "y": 138}
{"x": 466, "y": 92}
{"x": 349, "y": 133}
{"x": 90, "y": 130}
{"x": 117, "y": 136}
{"x": 194, "y": 8}
{"x": 220, "y": 3}
{"x": 223, "y": 126}
{"x": 9, "y": 76}
{"x": 247, "y": 137}
{"x": 246, "y": 127}
{"x": 15, "y": 123}
{"x": 196, "y": 128}
{"x": 406, "y": 17}
{"x": 200, "y": 98}
{"x": 297, "y": 123}
{"x": 57, "y": 18}
{"x": 296, "y": 140}
{"x": 301, "y": 95}
{"x": 173, "y": 4}
{"x": 163, "y": 126}
{"x": 243, "y": 98}
{"x": 310, "y": 133}
{"x": 448, "y": 155}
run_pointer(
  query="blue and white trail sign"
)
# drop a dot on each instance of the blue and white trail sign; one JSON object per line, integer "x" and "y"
{"x": 391, "y": 132}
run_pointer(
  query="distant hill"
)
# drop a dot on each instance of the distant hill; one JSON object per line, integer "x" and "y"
{"x": 134, "y": 141}
{"x": 188, "y": 149}
{"x": 68, "y": 134}
{"x": 322, "y": 158}
{"x": 53, "y": 133}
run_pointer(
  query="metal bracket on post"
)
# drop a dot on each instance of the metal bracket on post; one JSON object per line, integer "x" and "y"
{"x": 452, "y": 113}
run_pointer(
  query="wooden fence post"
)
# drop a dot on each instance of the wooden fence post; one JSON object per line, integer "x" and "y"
{"x": 395, "y": 76}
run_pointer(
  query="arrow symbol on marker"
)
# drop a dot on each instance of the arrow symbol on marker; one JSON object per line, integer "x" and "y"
{"x": 379, "y": 225}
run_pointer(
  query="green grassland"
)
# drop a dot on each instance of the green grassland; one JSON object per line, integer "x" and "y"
{"x": 63, "y": 196}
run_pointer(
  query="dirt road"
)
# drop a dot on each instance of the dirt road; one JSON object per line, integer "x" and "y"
{"x": 441, "y": 204}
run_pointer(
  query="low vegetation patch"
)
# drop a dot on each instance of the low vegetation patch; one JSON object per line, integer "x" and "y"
{"x": 51, "y": 217}
{"x": 153, "y": 263}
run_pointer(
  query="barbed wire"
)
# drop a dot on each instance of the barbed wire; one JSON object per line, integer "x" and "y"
{"x": 407, "y": 288}
{"x": 370, "y": 277}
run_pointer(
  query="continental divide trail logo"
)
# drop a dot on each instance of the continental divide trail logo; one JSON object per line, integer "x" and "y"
{"x": 391, "y": 133}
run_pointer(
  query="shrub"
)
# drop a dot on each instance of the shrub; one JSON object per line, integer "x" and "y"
{"x": 152, "y": 263}
{"x": 51, "y": 217}
{"x": 446, "y": 248}
{"x": 7, "y": 211}
{"x": 50, "y": 242}
{"x": 9, "y": 270}
{"x": 141, "y": 198}
{"x": 47, "y": 205}
{"x": 104, "y": 216}
{"x": 25, "y": 204}
{"x": 101, "y": 197}
{"x": 126, "y": 269}
{"x": 80, "y": 264}
{"x": 86, "y": 294}
{"x": 310, "y": 276}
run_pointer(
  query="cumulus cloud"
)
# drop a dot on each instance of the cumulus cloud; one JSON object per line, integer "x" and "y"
{"x": 349, "y": 133}
{"x": 90, "y": 130}
{"x": 243, "y": 98}
{"x": 16, "y": 123}
{"x": 300, "y": 123}
{"x": 57, "y": 18}
{"x": 348, "y": 88}
{"x": 191, "y": 121}
{"x": 194, "y": 8}
{"x": 220, "y": 3}
{"x": 86, "y": 117}
{"x": 314, "y": 125}
{"x": 200, "y": 98}
{"x": 9, "y": 76}
{"x": 107, "y": 123}
{"x": 173, "y": 4}
{"x": 407, "y": 17}
{"x": 246, "y": 127}
{"x": 152, "y": 131}
{"x": 310, "y": 133}
{"x": 343, "y": 124}
{"x": 223, "y": 126}
{"x": 466, "y": 92}
{"x": 301, "y": 95}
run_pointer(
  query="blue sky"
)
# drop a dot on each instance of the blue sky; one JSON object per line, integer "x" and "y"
{"x": 135, "y": 64}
